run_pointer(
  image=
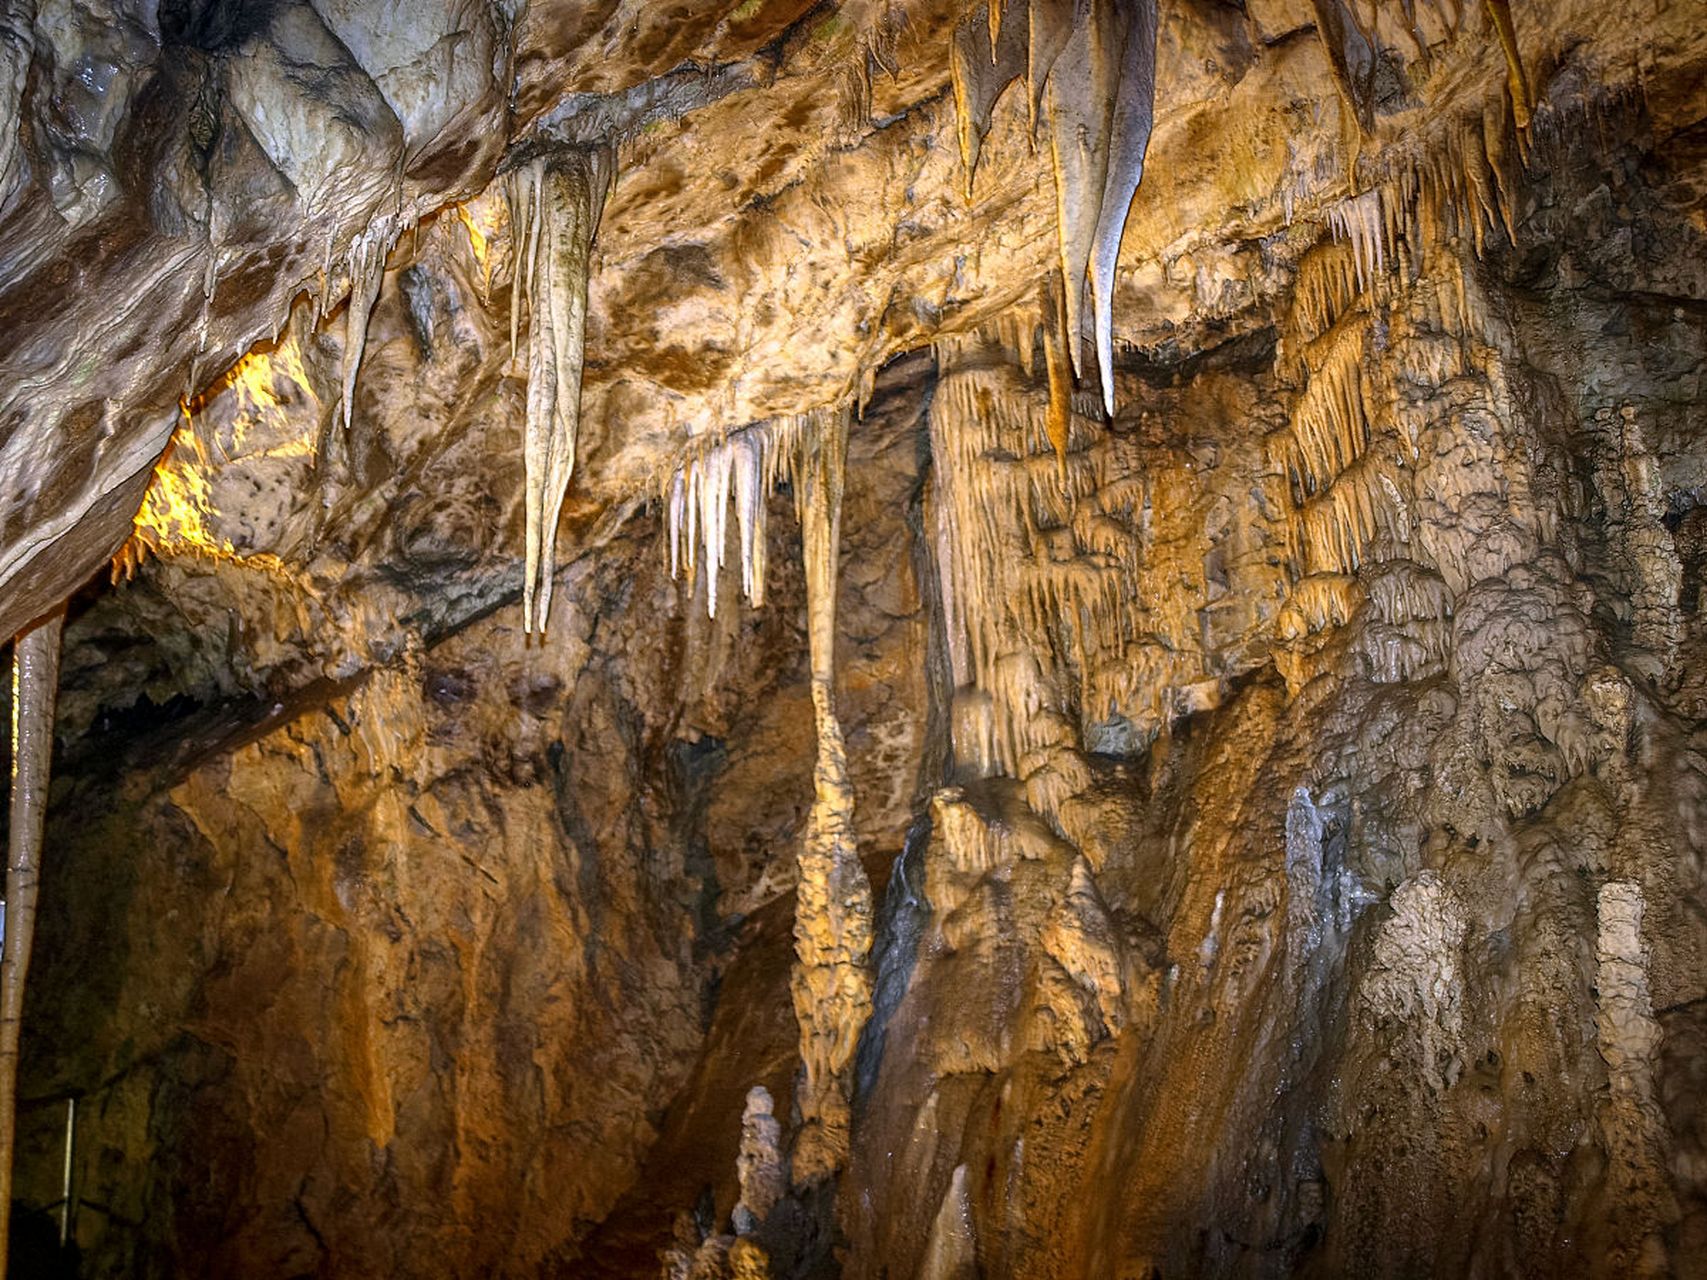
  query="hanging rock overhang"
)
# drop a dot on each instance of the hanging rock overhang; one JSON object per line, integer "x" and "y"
{"x": 90, "y": 383}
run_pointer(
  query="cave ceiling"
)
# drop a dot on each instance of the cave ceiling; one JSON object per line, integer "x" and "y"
{"x": 788, "y": 209}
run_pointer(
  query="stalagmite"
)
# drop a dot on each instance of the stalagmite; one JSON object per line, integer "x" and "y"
{"x": 35, "y": 684}
{"x": 555, "y": 202}
{"x": 759, "y": 1164}
{"x": 1631, "y": 1116}
{"x": 1286, "y": 759}
{"x": 951, "y": 1252}
{"x": 830, "y": 983}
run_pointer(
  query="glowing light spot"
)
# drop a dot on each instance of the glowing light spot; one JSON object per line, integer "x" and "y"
{"x": 479, "y": 243}
{"x": 251, "y": 413}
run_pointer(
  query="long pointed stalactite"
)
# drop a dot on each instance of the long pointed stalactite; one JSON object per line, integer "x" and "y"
{"x": 1352, "y": 54}
{"x": 831, "y": 984}
{"x": 1059, "y": 425}
{"x": 555, "y": 201}
{"x": 1090, "y": 68}
{"x": 367, "y": 271}
{"x": 1132, "y": 39}
{"x": 1522, "y": 99}
{"x": 982, "y": 64}
{"x": 746, "y": 464}
{"x": 35, "y": 684}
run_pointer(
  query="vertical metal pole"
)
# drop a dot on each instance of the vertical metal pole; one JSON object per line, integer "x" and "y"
{"x": 35, "y": 683}
{"x": 65, "y": 1187}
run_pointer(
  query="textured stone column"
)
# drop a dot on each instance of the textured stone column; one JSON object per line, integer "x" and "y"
{"x": 832, "y": 917}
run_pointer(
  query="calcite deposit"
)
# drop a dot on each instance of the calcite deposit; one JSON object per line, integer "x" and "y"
{"x": 887, "y": 638}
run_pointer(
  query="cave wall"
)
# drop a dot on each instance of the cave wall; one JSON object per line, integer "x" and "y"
{"x": 577, "y": 831}
{"x": 1382, "y": 958}
{"x": 1285, "y": 796}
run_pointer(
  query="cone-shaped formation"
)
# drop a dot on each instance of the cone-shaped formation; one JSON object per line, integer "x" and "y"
{"x": 983, "y": 63}
{"x": 555, "y": 202}
{"x": 1093, "y": 62}
{"x": 1131, "y": 36}
{"x": 1351, "y": 40}
{"x": 752, "y": 461}
{"x": 831, "y": 983}
{"x": 1522, "y": 102}
{"x": 1352, "y": 52}
{"x": 367, "y": 271}
{"x": 1059, "y": 364}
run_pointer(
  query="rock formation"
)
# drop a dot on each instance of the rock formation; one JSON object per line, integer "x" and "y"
{"x": 941, "y": 638}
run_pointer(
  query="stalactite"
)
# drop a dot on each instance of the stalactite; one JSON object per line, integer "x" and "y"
{"x": 1095, "y": 61}
{"x": 1360, "y": 221}
{"x": 830, "y": 983}
{"x": 35, "y": 686}
{"x": 1325, "y": 289}
{"x": 1077, "y": 95}
{"x": 1409, "y": 635}
{"x": 1330, "y": 423}
{"x": 982, "y": 63}
{"x": 712, "y": 490}
{"x": 1505, "y": 183}
{"x": 1050, "y": 24}
{"x": 1129, "y": 140}
{"x": 1352, "y": 53}
{"x": 1333, "y": 532}
{"x": 1059, "y": 424}
{"x": 555, "y": 202}
{"x": 853, "y": 101}
{"x": 1317, "y": 602}
{"x": 1522, "y": 104}
{"x": 750, "y": 509}
{"x": 752, "y": 462}
{"x": 1032, "y": 561}
{"x": 1462, "y": 184}
{"x": 367, "y": 272}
